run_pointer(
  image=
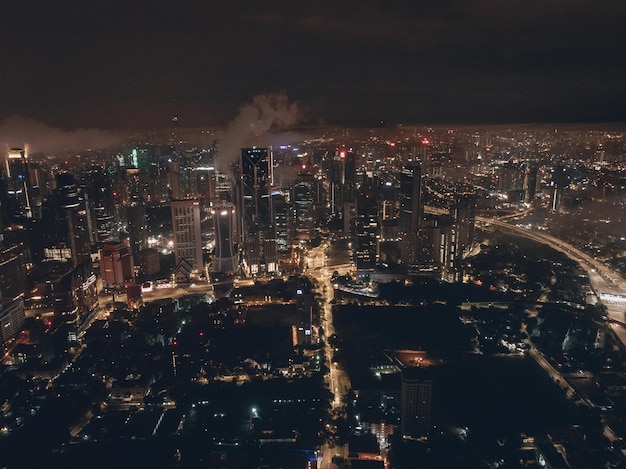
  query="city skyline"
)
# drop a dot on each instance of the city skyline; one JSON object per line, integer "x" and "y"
{"x": 117, "y": 66}
{"x": 320, "y": 302}
{"x": 313, "y": 235}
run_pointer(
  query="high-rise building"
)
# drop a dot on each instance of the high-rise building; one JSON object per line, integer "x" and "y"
{"x": 282, "y": 222}
{"x": 256, "y": 181}
{"x": 187, "y": 233}
{"x": 136, "y": 227}
{"x": 11, "y": 317}
{"x": 388, "y": 201}
{"x": 416, "y": 394}
{"x": 74, "y": 293}
{"x": 116, "y": 265}
{"x": 150, "y": 261}
{"x": 304, "y": 313}
{"x": 530, "y": 183}
{"x": 463, "y": 212}
{"x": 510, "y": 177}
{"x": 206, "y": 183}
{"x": 105, "y": 224}
{"x": 173, "y": 180}
{"x": 438, "y": 249}
{"x": 342, "y": 177}
{"x": 257, "y": 229}
{"x": 560, "y": 181}
{"x": 410, "y": 213}
{"x": 13, "y": 280}
{"x": 80, "y": 234}
{"x": 19, "y": 183}
{"x": 225, "y": 259}
{"x": 97, "y": 188}
{"x": 349, "y": 174}
{"x": 303, "y": 206}
{"x": 447, "y": 249}
{"x": 68, "y": 221}
{"x": 224, "y": 188}
{"x": 367, "y": 232}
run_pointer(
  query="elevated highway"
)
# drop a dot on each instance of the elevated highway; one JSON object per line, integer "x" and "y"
{"x": 609, "y": 286}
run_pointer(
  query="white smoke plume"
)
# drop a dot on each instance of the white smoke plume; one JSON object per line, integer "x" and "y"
{"x": 38, "y": 137}
{"x": 256, "y": 125}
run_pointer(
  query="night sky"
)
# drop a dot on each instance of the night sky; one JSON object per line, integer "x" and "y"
{"x": 135, "y": 64}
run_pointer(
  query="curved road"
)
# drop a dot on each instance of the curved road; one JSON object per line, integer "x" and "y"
{"x": 604, "y": 280}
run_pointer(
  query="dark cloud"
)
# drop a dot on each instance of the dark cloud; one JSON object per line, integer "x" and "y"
{"x": 117, "y": 64}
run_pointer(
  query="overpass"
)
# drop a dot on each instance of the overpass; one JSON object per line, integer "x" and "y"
{"x": 604, "y": 280}
{"x": 609, "y": 286}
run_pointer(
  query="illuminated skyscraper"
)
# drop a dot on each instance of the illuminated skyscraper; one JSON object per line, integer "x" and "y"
{"x": 463, "y": 212}
{"x": 282, "y": 218}
{"x": 225, "y": 259}
{"x": 256, "y": 180}
{"x": 98, "y": 191}
{"x": 80, "y": 236}
{"x": 411, "y": 213}
{"x": 447, "y": 249}
{"x": 367, "y": 232}
{"x": 13, "y": 280}
{"x": 19, "y": 183}
{"x": 256, "y": 217}
{"x": 187, "y": 236}
{"x": 11, "y": 317}
{"x": 437, "y": 249}
{"x": 342, "y": 177}
{"x": 206, "y": 181}
{"x": 530, "y": 183}
{"x": 66, "y": 216}
{"x": 304, "y": 206}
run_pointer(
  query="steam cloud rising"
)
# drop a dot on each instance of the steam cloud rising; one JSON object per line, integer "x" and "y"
{"x": 256, "y": 125}
{"x": 38, "y": 137}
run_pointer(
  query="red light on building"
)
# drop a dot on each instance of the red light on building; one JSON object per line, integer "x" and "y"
{"x": 425, "y": 141}
{"x": 342, "y": 154}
